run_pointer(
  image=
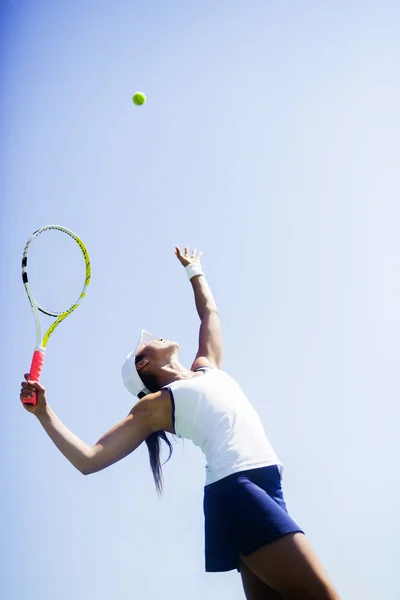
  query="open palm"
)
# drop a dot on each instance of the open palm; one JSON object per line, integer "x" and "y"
{"x": 187, "y": 258}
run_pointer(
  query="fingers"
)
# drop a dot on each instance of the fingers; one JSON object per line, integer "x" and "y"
{"x": 27, "y": 390}
{"x": 186, "y": 252}
{"x": 29, "y": 385}
{"x": 187, "y": 257}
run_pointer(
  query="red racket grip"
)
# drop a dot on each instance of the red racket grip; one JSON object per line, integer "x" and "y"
{"x": 34, "y": 373}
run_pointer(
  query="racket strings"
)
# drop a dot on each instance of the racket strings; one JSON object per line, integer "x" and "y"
{"x": 56, "y": 269}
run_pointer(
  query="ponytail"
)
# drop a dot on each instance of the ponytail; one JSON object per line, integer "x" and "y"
{"x": 154, "y": 439}
{"x": 154, "y": 447}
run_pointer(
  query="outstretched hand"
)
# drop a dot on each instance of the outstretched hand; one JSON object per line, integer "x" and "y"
{"x": 187, "y": 258}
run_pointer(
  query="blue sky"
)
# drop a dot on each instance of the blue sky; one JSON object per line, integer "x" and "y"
{"x": 270, "y": 141}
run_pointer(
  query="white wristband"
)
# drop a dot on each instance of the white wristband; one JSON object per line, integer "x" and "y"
{"x": 192, "y": 270}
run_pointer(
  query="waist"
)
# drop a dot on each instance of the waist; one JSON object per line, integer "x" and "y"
{"x": 217, "y": 473}
{"x": 270, "y": 470}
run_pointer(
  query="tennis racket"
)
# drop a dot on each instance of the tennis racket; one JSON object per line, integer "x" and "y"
{"x": 70, "y": 261}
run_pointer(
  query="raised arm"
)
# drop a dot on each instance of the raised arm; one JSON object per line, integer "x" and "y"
{"x": 210, "y": 337}
{"x": 114, "y": 445}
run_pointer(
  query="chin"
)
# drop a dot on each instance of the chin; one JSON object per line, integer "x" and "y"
{"x": 173, "y": 349}
{"x": 173, "y": 345}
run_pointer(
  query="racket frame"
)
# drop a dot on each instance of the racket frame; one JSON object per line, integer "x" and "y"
{"x": 42, "y": 340}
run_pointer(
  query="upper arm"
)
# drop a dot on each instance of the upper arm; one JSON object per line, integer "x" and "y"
{"x": 123, "y": 438}
{"x": 210, "y": 341}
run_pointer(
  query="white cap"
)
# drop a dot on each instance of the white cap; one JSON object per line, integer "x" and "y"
{"x": 130, "y": 376}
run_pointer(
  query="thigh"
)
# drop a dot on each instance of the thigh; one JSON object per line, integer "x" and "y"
{"x": 254, "y": 588}
{"x": 290, "y": 566}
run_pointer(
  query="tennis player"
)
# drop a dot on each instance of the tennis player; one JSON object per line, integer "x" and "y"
{"x": 247, "y": 525}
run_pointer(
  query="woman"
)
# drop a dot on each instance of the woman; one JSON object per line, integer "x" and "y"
{"x": 247, "y": 526}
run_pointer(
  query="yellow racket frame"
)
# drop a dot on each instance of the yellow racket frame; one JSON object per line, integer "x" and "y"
{"x": 42, "y": 340}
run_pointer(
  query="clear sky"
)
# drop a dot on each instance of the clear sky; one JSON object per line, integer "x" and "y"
{"x": 271, "y": 141}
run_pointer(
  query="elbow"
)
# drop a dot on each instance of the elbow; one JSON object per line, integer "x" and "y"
{"x": 213, "y": 308}
{"x": 210, "y": 309}
{"x": 90, "y": 469}
{"x": 87, "y": 468}
{"x": 93, "y": 462}
{"x": 85, "y": 471}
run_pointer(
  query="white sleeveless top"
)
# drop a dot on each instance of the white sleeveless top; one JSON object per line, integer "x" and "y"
{"x": 213, "y": 412}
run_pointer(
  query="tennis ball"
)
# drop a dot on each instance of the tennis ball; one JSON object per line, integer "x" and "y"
{"x": 139, "y": 98}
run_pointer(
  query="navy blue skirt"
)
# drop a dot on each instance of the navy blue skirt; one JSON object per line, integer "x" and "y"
{"x": 244, "y": 512}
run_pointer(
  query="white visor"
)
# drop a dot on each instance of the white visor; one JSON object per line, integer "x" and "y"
{"x": 130, "y": 376}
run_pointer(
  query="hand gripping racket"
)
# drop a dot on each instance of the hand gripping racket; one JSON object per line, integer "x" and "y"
{"x": 41, "y": 340}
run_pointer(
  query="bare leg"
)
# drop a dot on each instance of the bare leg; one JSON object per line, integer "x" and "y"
{"x": 254, "y": 588}
{"x": 291, "y": 567}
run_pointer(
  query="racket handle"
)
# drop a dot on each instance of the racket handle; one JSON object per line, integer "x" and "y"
{"x": 35, "y": 372}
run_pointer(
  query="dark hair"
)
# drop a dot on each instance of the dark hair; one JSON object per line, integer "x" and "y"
{"x": 154, "y": 447}
{"x": 153, "y": 441}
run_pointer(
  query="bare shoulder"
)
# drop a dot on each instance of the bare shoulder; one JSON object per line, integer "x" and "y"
{"x": 158, "y": 408}
{"x": 202, "y": 361}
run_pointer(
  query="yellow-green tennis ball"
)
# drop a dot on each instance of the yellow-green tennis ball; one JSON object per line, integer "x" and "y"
{"x": 139, "y": 98}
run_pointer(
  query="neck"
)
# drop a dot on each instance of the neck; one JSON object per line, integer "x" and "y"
{"x": 173, "y": 372}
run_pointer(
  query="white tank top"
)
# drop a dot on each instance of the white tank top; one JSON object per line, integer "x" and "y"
{"x": 213, "y": 412}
